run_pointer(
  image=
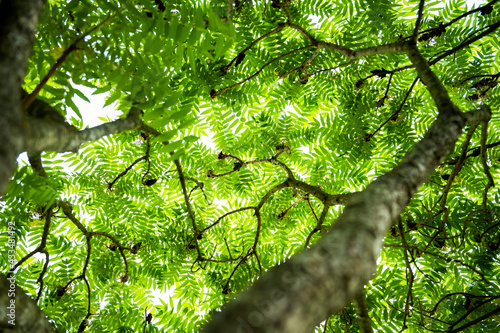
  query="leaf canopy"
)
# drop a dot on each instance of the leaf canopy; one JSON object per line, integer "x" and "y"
{"x": 238, "y": 97}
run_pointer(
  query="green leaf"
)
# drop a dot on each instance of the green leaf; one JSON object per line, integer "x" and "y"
{"x": 165, "y": 136}
{"x": 191, "y": 138}
{"x": 171, "y": 147}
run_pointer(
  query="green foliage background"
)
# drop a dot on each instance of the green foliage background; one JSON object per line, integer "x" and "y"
{"x": 170, "y": 62}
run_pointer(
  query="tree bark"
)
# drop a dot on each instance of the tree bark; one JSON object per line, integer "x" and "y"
{"x": 362, "y": 314}
{"x": 48, "y": 134}
{"x": 18, "y": 21}
{"x": 22, "y": 316}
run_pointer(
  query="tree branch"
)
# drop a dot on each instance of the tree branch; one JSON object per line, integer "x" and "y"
{"x": 438, "y": 92}
{"x": 465, "y": 43}
{"x": 325, "y": 198}
{"x": 419, "y": 20}
{"x": 484, "y": 136}
{"x": 48, "y": 135}
{"x": 39, "y": 248}
{"x": 458, "y": 166}
{"x": 28, "y": 99}
{"x": 362, "y": 315}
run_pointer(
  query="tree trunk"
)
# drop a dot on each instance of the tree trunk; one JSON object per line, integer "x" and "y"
{"x": 18, "y": 21}
{"x": 18, "y": 312}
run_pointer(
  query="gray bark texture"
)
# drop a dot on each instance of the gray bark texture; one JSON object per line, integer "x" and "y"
{"x": 23, "y": 313}
{"x": 18, "y": 21}
{"x": 362, "y": 315}
{"x": 46, "y": 133}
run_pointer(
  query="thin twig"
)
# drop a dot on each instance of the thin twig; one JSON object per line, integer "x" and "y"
{"x": 72, "y": 47}
{"x": 419, "y": 20}
{"x": 223, "y": 90}
{"x": 484, "y": 136}
{"x": 459, "y": 164}
{"x": 409, "y": 273}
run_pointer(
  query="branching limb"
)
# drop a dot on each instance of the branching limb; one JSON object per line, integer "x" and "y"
{"x": 85, "y": 320}
{"x": 42, "y": 273}
{"x": 422, "y": 223}
{"x": 225, "y": 215}
{"x": 279, "y": 28}
{"x": 319, "y": 225}
{"x": 72, "y": 47}
{"x": 196, "y": 231}
{"x": 474, "y": 152}
{"x": 124, "y": 172}
{"x": 325, "y": 198}
{"x": 409, "y": 274}
{"x": 43, "y": 242}
{"x": 199, "y": 185}
{"x": 465, "y": 43}
{"x": 394, "y": 116}
{"x": 484, "y": 137}
{"x": 225, "y": 288}
{"x": 143, "y": 158}
{"x": 35, "y": 160}
{"x": 83, "y": 277}
{"x": 445, "y": 297}
{"x": 287, "y": 12}
{"x": 472, "y": 11}
{"x": 439, "y": 56}
{"x": 237, "y": 167}
{"x": 230, "y": 4}
{"x": 476, "y": 321}
{"x": 68, "y": 211}
{"x": 362, "y": 315}
{"x": 253, "y": 250}
{"x": 43, "y": 135}
{"x": 387, "y": 89}
{"x": 303, "y": 67}
{"x": 419, "y": 20}
{"x": 149, "y": 130}
{"x": 289, "y": 172}
{"x": 214, "y": 93}
{"x": 283, "y": 213}
{"x": 256, "y": 240}
{"x": 311, "y": 207}
{"x": 446, "y": 259}
{"x": 116, "y": 243}
{"x": 492, "y": 77}
{"x": 470, "y": 309}
{"x": 271, "y": 192}
{"x": 438, "y": 92}
{"x": 493, "y": 226}
{"x": 349, "y": 53}
{"x": 459, "y": 164}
